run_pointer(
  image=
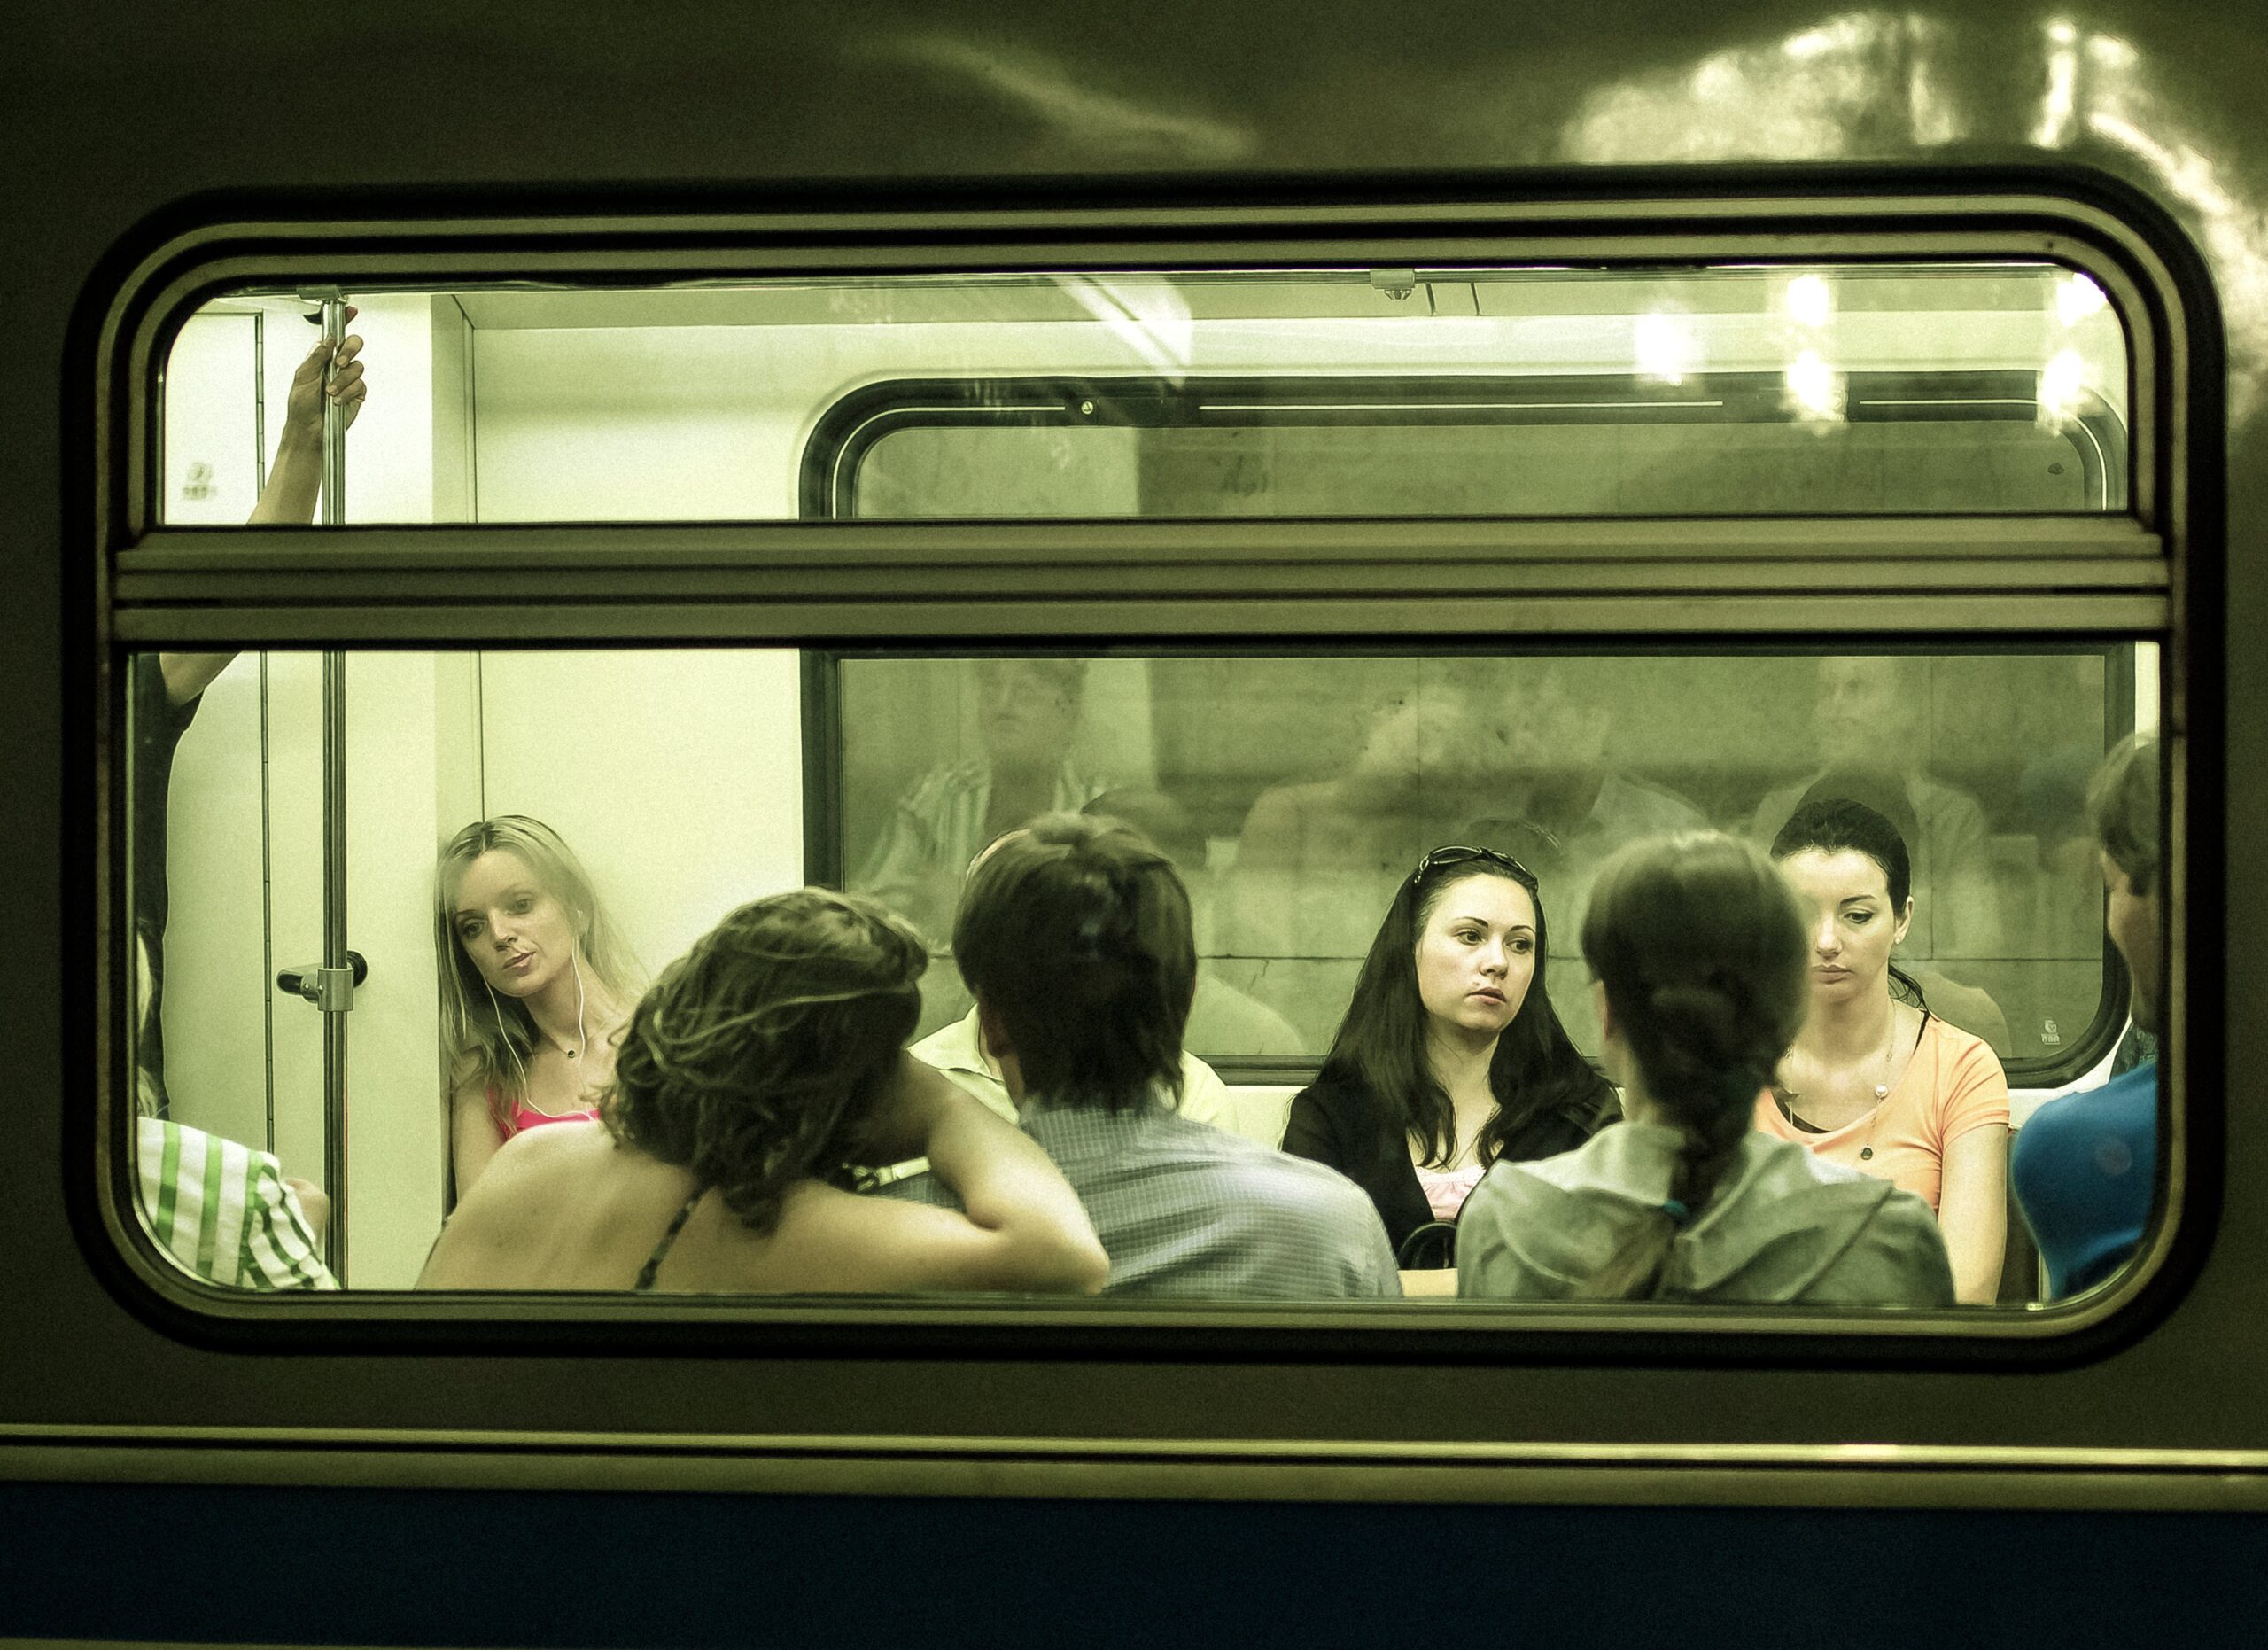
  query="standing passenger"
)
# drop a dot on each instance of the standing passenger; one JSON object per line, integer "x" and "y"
{"x": 1698, "y": 949}
{"x": 1877, "y": 1083}
{"x": 1450, "y": 1056}
{"x": 166, "y": 691}
{"x": 535, "y": 982}
{"x": 2084, "y": 1167}
{"x": 1075, "y": 935}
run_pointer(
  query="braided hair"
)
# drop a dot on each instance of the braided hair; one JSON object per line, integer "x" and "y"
{"x": 1700, "y": 947}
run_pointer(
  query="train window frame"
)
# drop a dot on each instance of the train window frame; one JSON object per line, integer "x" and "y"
{"x": 2136, "y": 575}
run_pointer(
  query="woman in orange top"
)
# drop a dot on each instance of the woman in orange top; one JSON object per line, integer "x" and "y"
{"x": 1875, "y": 1080}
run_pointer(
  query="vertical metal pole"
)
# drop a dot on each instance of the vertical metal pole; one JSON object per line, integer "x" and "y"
{"x": 338, "y": 978}
{"x": 334, "y": 419}
{"x": 337, "y": 996}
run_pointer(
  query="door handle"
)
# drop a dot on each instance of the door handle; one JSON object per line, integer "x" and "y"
{"x": 330, "y": 990}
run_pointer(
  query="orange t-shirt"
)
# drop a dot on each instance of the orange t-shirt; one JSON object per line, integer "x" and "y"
{"x": 1953, "y": 1084}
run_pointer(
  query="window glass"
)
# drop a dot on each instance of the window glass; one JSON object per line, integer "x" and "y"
{"x": 1292, "y": 793}
{"x": 1997, "y": 387}
{"x": 1295, "y": 794}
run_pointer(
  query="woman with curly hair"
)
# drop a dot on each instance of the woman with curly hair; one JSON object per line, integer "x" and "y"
{"x": 761, "y": 1073}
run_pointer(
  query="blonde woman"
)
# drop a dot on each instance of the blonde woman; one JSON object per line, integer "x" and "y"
{"x": 535, "y": 982}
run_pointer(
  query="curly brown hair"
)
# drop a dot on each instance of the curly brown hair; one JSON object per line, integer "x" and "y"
{"x": 755, "y": 1060}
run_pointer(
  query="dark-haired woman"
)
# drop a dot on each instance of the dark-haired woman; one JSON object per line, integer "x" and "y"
{"x": 1875, "y": 1081}
{"x": 1450, "y": 1056}
{"x": 1699, "y": 957}
{"x": 755, "y": 1077}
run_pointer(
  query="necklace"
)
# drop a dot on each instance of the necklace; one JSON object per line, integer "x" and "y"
{"x": 1788, "y": 1097}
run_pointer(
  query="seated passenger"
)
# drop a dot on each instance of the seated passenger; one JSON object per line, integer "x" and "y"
{"x": 1075, "y": 936}
{"x": 1450, "y": 1056}
{"x": 226, "y": 1212}
{"x": 2084, "y": 1167}
{"x": 762, "y": 1069}
{"x": 1698, "y": 953}
{"x": 1870, "y": 725}
{"x": 1970, "y": 1008}
{"x": 535, "y": 982}
{"x": 1028, "y": 718}
{"x": 1875, "y": 1080}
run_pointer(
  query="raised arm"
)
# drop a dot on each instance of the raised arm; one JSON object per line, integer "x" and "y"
{"x": 294, "y": 481}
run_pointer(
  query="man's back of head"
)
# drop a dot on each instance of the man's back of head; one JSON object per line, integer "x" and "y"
{"x": 1074, "y": 934}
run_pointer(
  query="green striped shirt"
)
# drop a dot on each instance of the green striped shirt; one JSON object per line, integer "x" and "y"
{"x": 223, "y": 1211}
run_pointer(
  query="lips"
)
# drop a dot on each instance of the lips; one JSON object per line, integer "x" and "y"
{"x": 1487, "y": 994}
{"x": 519, "y": 964}
{"x": 1831, "y": 974}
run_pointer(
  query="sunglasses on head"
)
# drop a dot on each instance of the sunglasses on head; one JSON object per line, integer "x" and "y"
{"x": 1440, "y": 857}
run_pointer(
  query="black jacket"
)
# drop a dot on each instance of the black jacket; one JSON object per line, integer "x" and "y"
{"x": 1347, "y": 1127}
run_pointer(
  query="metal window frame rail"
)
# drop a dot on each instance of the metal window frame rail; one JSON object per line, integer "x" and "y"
{"x": 854, "y": 425}
{"x": 2151, "y": 574}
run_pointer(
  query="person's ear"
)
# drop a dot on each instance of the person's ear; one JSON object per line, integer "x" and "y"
{"x": 991, "y": 1032}
{"x": 1905, "y": 921}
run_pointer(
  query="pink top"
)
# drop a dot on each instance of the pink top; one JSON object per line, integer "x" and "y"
{"x": 526, "y": 1117}
{"x": 1446, "y": 1189}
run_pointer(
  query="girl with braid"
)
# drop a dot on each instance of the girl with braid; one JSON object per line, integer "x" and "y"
{"x": 1698, "y": 950}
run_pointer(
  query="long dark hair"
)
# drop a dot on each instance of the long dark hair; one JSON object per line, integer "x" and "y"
{"x": 1381, "y": 1045}
{"x": 755, "y": 1060}
{"x": 1830, "y": 820}
{"x": 1700, "y": 945}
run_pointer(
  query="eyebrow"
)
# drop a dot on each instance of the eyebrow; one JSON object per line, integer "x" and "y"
{"x": 1474, "y": 916}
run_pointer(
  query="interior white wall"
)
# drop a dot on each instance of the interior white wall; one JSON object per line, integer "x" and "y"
{"x": 211, "y": 420}
{"x": 675, "y": 775}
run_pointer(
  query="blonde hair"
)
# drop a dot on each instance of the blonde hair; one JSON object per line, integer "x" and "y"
{"x": 487, "y": 1039}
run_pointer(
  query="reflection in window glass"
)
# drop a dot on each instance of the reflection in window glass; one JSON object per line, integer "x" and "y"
{"x": 1295, "y": 794}
{"x": 1992, "y": 387}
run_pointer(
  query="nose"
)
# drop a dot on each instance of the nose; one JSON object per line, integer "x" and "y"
{"x": 1494, "y": 960}
{"x": 1825, "y": 940}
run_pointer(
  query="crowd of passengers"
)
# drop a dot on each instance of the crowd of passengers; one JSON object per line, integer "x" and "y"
{"x": 1778, "y": 1122}
{"x": 1782, "y": 1119}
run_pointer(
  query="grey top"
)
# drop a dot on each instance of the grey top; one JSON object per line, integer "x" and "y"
{"x": 1784, "y": 1226}
{"x": 1184, "y": 1209}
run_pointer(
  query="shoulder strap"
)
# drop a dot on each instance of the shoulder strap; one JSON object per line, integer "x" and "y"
{"x": 653, "y": 1265}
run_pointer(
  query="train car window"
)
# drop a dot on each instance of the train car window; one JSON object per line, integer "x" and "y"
{"x": 1833, "y": 390}
{"x": 673, "y": 591}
